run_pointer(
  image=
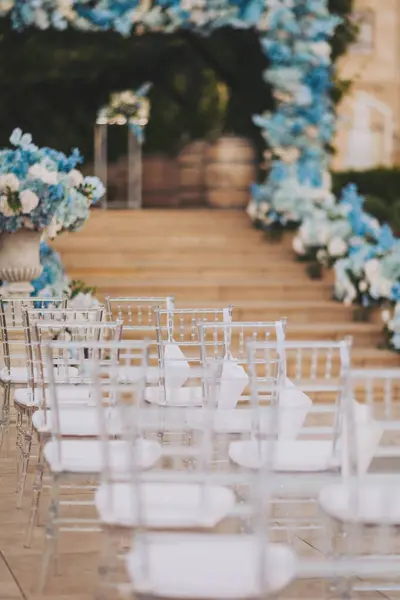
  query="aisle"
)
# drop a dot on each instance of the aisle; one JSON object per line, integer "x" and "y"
{"x": 212, "y": 257}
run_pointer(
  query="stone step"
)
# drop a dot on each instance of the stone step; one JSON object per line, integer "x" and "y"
{"x": 250, "y": 289}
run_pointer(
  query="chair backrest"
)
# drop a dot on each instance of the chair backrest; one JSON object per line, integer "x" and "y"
{"x": 65, "y": 364}
{"x": 188, "y": 493}
{"x": 311, "y": 405}
{"x": 377, "y": 402}
{"x": 12, "y": 312}
{"x": 89, "y": 364}
{"x": 137, "y": 314}
{"x": 229, "y": 340}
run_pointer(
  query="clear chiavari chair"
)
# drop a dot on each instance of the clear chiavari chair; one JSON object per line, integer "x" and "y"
{"x": 226, "y": 343}
{"x": 223, "y": 549}
{"x": 179, "y": 349}
{"x": 28, "y": 398}
{"x": 310, "y": 433}
{"x": 364, "y": 508}
{"x": 72, "y": 448}
{"x": 13, "y": 373}
{"x": 138, "y": 316}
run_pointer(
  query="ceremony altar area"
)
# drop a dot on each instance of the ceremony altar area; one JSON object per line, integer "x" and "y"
{"x": 198, "y": 404}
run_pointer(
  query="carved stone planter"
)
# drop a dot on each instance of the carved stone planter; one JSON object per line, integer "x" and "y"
{"x": 20, "y": 260}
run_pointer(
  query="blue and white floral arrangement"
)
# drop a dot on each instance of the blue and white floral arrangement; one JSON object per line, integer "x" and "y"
{"x": 53, "y": 282}
{"x": 129, "y": 107}
{"x": 303, "y": 124}
{"x": 41, "y": 189}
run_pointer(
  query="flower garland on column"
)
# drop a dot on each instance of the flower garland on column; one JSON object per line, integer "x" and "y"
{"x": 298, "y": 132}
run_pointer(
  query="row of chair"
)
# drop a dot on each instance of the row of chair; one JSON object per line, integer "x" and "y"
{"x": 185, "y": 422}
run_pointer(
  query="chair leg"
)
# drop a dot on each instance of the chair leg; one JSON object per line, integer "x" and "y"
{"x": 25, "y": 447}
{"x": 36, "y": 494}
{"x": 5, "y": 418}
{"x": 50, "y": 555}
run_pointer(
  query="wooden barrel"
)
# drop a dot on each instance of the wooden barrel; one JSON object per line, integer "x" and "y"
{"x": 230, "y": 169}
{"x": 191, "y": 162}
{"x": 160, "y": 181}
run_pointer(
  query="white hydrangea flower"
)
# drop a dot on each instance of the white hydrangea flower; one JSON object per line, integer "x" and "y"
{"x": 384, "y": 287}
{"x": 5, "y": 208}
{"x": 10, "y": 181}
{"x": 75, "y": 177}
{"x": 38, "y": 171}
{"x": 337, "y": 247}
{"x": 372, "y": 269}
{"x": 29, "y": 201}
{"x": 83, "y": 301}
{"x": 322, "y": 49}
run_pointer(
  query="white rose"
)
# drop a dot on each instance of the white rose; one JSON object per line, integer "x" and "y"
{"x": 9, "y": 181}
{"x": 385, "y": 314}
{"x": 372, "y": 268}
{"x": 75, "y": 177}
{"x": 298, "y": 245}
{"x": 322, "y": 49}
{"x": 363, "y": 286}
{"x": 5, "y": 208}
{"x": 337, "y": 247}
{"x": 321, "y": 255}
{"x": 29, "y": 201}
{"x": 42, "y": 20}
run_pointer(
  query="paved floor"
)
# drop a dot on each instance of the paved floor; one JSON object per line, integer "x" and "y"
{"x": 20, "y": 567}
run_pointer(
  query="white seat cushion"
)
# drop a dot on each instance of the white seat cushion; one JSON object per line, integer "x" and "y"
{"x": 185, "y": 396}
{"x": 66, "y": 393}
{"x": 208, "y": 566}
{"x": 165, "y": 505}
{"x": 20, "y": 374}
{"x": 290, "y": 455}
{"x": 85, "y": 456}
{"x": 372, "y": 504}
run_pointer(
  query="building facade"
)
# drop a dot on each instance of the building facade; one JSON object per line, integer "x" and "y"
{"x": 369, "y": 116}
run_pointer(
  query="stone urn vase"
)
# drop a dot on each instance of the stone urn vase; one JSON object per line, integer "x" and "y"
{"x": 20, "y": 261}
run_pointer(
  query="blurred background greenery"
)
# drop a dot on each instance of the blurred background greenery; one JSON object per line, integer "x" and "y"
{"x": 53, "y": 83}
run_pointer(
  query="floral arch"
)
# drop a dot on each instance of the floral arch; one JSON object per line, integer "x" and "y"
{"x": 294, "y": 35}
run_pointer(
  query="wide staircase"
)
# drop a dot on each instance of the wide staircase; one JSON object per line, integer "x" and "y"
{"x": 213, "y": 258}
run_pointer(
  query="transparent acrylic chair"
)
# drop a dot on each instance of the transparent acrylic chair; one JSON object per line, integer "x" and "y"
{"x": 73, "y": 454}
{"x": 179, "y": 351}
{"x": 27, "y": 399}
{"x": 72, "y": 386}
{"x": 138, "y": 316}
{"x": 364, "y": 508}
{"x": 172, "y": 497}
{"x": 309, "y": 438}
{"x": 232, "y": 557}
{"x": 13, "y": 373}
